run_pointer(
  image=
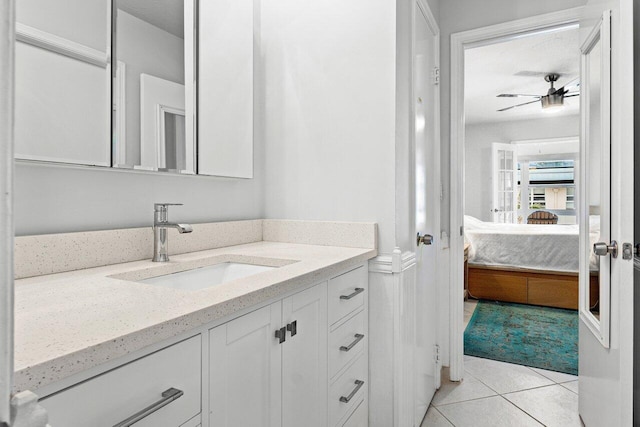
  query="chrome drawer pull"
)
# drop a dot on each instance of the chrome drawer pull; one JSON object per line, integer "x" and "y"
{"x": 359, "y": 384}
{"x": 356, "y": 292}
{"x": 168, "y": 396}
{"x": 353, "y": 344}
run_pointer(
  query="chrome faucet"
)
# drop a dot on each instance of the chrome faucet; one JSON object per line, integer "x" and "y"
{"x": 160, "y": 225}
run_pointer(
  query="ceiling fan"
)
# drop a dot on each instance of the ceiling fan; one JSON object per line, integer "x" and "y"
{"x": 554, "y": 97}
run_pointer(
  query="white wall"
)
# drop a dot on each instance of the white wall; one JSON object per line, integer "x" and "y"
{"x": 53, "y": 199}
{"x": 329, "y": 111}
{"x": 480, "y": 136}
{"x": 462, "y": 15}
{"x": 145, "y": 48}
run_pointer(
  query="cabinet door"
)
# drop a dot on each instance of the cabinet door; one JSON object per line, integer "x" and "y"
{"x": 304, "y": 359}
{"x": 245, "y": 371}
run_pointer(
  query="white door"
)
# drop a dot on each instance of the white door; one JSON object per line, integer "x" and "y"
{"x": 426, "y": 377}
{"x": 606, "y": 201}
{"x": 245, "y": 370}
{"x": 304, "y": 359}
{"x": 504, "y": 166}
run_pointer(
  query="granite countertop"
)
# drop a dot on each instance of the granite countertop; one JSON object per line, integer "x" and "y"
{"x": 70, "y": 322}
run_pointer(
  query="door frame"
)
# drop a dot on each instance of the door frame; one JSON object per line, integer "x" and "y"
{"x": 459, "y": 43}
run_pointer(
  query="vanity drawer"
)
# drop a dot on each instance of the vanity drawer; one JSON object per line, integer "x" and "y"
{"x": 114, "y": 396}
{"x": 348, "y": 391}
{"x": 347, "y": 293}
{"x": 346, "y": 342}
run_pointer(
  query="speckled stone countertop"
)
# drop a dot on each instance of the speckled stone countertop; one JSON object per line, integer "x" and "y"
{"x": 70, "y": 322}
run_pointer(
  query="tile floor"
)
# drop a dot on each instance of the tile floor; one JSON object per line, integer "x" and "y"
{"x": 496, "y": 394}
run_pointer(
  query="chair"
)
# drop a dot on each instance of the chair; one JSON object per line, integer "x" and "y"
{"x": 542, "y": 217}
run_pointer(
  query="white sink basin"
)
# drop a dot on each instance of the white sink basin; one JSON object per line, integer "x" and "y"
{"x": 206, "y": 277}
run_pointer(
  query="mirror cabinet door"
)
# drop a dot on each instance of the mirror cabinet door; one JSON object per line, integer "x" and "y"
{"x": 225, "y": 88}
{"x": 153, "y": 85}
{"x": 62, "y": 87}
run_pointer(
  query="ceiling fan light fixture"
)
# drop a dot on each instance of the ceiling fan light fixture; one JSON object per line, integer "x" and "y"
{"x": 552, "y": 102}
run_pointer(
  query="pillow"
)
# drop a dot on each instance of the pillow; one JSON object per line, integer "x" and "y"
{"x": 471, "y": 222}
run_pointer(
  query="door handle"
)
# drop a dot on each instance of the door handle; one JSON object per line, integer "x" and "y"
{"x": 425, "y": 239}
{"x": 602, "y": 249}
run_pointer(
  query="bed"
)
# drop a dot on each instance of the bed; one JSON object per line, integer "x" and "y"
{"x": 526, "y": 263}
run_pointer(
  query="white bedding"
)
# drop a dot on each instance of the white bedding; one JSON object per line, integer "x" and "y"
{"x": 538, "y": 247}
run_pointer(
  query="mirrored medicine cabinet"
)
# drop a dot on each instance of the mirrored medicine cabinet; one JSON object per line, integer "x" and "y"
{"x": 145, "y": 85}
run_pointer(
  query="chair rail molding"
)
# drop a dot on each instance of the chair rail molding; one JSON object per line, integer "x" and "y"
{"x": 394, "y": 263}
{"x": 60, "y": 45}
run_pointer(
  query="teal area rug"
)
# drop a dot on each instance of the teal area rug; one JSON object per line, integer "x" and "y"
{"x": 540, "y": 337}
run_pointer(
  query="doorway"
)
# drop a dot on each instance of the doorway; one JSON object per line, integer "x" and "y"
{"x": 506, "y": 191}
{"x": 605, "y": 333}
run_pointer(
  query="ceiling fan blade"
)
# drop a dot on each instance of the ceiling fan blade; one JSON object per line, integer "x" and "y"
{"x": 572, "y": 94}
{"x": 573, "y": 83}
{"x": 519, "y": 105}
{"x": 515, "y": 95}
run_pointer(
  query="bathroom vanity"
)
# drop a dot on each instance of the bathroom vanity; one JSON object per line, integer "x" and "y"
{"x": 283, "y": 341}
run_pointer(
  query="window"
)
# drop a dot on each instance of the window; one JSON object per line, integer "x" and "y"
{"x": 550, "y": 186}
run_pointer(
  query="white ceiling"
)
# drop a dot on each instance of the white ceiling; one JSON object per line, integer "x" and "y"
{"x": 165, "y": 14}
{"x": 519, "y": 66}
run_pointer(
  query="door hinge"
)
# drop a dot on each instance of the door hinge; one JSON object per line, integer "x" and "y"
{"x": 435, "y": 75}
{"x": 462, "y": 230}
{"x": 436, "y": 354}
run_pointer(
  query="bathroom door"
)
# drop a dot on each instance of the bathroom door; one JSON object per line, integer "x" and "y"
{"x": 427, "y": 169}
{"x": 606, "y": 214}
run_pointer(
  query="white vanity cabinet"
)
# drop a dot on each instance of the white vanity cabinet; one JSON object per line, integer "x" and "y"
{"x": 269, "y": 367}
{"x": 299, "y": 361}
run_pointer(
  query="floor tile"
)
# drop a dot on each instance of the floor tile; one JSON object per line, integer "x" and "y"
{"x": 553, "y": 405}
{"x": 571, "y": 385}
{"x": 488, "y": 412}
{"x": 505, "y": 377}
{"x": 469, "y": 308}
{"x": 435, "y": 419}
{"x": 557, "y": 377}
{"x": 467, "y": 389}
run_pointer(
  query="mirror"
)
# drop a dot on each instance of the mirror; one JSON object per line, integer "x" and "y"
{"x": 62, "y": 88}
{"x": 114, "y": 83}
{"x": 153, "y": 85}
{"x": 595, "y": 194}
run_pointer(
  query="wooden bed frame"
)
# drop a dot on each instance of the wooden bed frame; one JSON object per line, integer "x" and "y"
{"x": 512, "y": 284}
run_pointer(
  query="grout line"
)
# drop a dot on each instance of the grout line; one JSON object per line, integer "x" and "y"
{"x": 550, "y": 379}
{"x": 466, "y": 400}
{"x": 523, "y": 411}
{"x": 530, "y": 389}
{"x": 562, "y": 385}
{"x": 444, "y": 416}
